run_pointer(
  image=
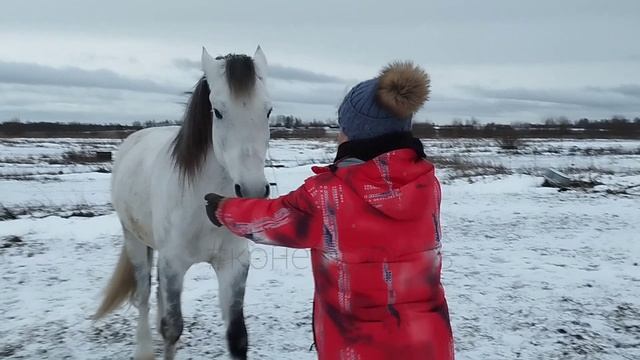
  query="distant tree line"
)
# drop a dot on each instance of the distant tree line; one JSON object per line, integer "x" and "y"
{"x": 616, "y": 127}
{"x": 154, "y": 123}
{"x": 294, "y": 122}
{"x": 289, "y": 126}
{"x": 16, "y": 128}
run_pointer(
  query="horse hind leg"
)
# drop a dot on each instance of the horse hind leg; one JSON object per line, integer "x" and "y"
{"x": 232, "y": 278}
{"x": 170, "y": 279}
{"x": 141, "y": 257}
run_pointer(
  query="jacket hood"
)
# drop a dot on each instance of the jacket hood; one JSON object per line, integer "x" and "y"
{"x": 398, "y": 184}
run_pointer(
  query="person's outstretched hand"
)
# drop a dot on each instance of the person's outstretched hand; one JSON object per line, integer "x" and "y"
{"x": 213, "y": 202}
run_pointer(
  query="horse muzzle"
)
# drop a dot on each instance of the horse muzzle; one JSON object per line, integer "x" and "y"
{"x": 242, "y": 192}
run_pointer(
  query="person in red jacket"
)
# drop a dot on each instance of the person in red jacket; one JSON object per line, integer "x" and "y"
{"x": 371, "y": 220}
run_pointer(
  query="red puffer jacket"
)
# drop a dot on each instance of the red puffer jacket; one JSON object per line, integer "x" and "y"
{"x": 375, "y": 237}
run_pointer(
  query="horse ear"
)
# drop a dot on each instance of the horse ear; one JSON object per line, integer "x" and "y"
{"x": 210, "y": 66}
{"x": 261, "y": 63}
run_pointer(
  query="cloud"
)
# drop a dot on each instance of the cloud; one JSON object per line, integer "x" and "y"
{"x": 35, "y": 74}
{"x": 307, "y": 93}
{"x": 64, "y": 104}
{"x": 186, "y": 64}
{"x": 280, "y": 72}
{"x": 614, "y": 98}
{"x": 627, "y": 90}
{"x": 515, "y": 104}
{"x": 53, "y": 103}
{"x": 297, "y": 74}
{"x": 527, "y": 60}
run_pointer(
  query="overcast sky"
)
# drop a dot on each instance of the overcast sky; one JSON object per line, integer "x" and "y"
{"x": 496, "y": 60}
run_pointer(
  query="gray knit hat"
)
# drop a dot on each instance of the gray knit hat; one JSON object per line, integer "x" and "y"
{"x": 385, "y": 104}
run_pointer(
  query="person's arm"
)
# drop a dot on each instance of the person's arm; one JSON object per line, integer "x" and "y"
{"x": 291, "y": 220}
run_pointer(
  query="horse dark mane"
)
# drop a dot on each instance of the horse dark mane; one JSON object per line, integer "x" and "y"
{"x": 195, "y": 138}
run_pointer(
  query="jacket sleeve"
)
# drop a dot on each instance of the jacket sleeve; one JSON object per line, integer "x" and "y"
{"x": 290, "y": 220}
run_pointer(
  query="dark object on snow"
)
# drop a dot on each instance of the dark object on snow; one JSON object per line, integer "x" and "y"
{"x": 103, "y": 156}
{"x": 509, "y": 140}
{"x": 556, "y": 179}
{"x": 83, "y": 157}
{"x": 553, "y": 178}
{"x": 11, "y": 241}
{"x": 7, "y": 214}
{"x": 103, "y": 170}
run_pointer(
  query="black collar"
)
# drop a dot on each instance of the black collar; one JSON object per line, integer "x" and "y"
{"x": 368, "y": 149}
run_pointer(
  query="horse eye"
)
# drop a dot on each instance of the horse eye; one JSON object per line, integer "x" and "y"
{"x": 269, "y": 113}
{"x": 218, "y": 114}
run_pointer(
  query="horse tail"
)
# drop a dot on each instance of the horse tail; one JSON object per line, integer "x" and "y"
{"x": 120, "y": 288}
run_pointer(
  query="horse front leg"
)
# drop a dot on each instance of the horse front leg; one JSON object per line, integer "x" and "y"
{"x": 232, "y": 274}
{"x": 170, "y": 279}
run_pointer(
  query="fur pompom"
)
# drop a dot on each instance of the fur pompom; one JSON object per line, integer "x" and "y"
{"x": 403, "y": 88}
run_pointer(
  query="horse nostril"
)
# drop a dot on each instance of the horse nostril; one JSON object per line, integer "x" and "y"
{"x": 238, "y": 190}
{"x": 267, "y": 191}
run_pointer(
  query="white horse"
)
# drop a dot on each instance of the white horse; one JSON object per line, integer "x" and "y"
{"x": 159, "y": 181}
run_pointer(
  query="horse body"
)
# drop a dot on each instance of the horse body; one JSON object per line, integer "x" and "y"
{"x": 147, "y": 203}
{"x": 159, "y": 180}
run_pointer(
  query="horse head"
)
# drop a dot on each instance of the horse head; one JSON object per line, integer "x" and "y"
{"x": 229, "y": 112}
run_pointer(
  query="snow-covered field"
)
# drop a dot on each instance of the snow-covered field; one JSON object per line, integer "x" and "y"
{"x": 530, "y": 272}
